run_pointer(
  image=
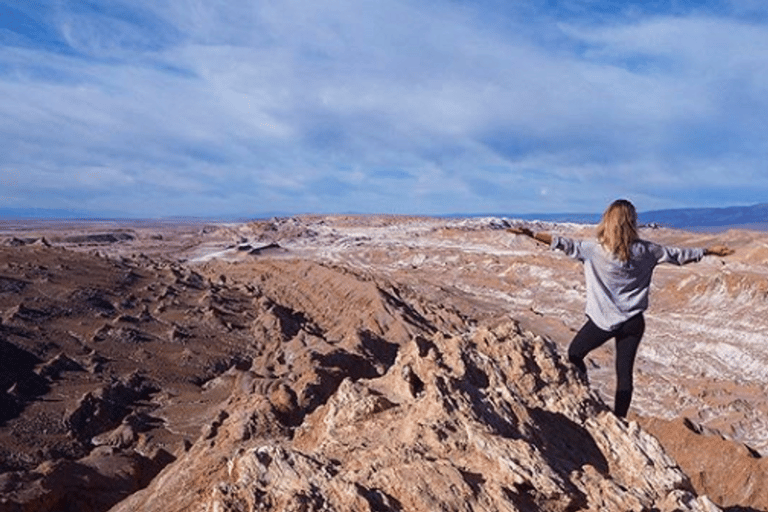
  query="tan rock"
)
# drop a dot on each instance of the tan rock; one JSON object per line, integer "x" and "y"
{"x": 370, "y": 363}
{"x": 498, "y": 423}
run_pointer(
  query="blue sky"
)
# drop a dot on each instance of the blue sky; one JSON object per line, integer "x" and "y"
{"x": 216, "y": 107}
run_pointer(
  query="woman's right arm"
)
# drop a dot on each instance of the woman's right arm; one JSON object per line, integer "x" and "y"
{"x": 542, "y": 236}
{"x": 574, "y": 248}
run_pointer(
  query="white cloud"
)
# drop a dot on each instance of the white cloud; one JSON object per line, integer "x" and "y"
{"x": 287, "y": 102}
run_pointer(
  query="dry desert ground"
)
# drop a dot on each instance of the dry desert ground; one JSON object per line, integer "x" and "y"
{"x": 367, "y": 363}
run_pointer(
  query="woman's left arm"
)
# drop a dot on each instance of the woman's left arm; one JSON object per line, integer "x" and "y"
{"x": 683, "y": 255}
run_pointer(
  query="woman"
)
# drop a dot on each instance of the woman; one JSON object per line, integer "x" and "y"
{"x": 618, "y": 269}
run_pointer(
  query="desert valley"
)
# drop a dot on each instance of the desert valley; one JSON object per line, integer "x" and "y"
{"x": 367, "y": 363}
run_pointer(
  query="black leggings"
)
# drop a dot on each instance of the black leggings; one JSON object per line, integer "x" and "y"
{"x": 628, "y": 336}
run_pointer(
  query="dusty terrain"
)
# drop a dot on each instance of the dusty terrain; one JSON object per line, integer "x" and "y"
{"x": 366, "y": 363}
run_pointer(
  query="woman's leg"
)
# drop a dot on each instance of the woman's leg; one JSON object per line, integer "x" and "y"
{"x": 628, "y": 338}
{"x": 586, "y": 340}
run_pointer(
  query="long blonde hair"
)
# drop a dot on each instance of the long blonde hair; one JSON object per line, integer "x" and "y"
{"x": 618, "y": 229}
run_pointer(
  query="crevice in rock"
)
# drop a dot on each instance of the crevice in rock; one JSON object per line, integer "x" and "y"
{"x": 292, "y": 322}
{"x": 18, "y": 381}
{"x": 415, "y": 384}
{"x": 378, "y": 500}
{"x": 379, "y": 349}
{"x": 410, "y": 313}
{"x": 473, "y": 373}
{"x": 474, "y": 480}
{"x": 482, "y": 407}
{"x": 566, "y": 445}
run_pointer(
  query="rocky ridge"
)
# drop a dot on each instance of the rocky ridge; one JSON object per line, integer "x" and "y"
{"x": 489, "y": 420}
{"x": 343, "y": 363}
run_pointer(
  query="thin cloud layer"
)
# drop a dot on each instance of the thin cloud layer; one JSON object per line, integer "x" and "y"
{"x": 183, "y": 107}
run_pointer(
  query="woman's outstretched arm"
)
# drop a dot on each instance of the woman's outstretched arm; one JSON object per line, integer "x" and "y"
{"x": 542, "y": 236}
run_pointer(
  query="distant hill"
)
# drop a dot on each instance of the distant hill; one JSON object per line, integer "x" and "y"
{"x": 755, "y": 216}
{"x": 65, "y": 214}
{"x": 55, "y": 213}
{"x": 708, "y": 217}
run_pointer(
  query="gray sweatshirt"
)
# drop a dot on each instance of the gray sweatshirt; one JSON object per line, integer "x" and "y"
{"x": 616, "y": 290}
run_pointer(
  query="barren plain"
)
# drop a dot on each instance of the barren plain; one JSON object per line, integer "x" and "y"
{"x": 367, "y": 363}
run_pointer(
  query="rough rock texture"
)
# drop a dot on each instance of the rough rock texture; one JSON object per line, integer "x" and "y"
{"x": 730, "y": 473}
{"x": 345, "y": 363}
{"x": 95, "y": 482}
{"x": 491, "y": 420}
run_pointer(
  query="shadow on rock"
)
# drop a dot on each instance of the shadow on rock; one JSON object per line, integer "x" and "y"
{"x": 566, "y": 445}
{"x": 379, "y": 349}
{"x": 93, "y": 484}
{"x": 379, "y": 501}
{"x": 104, "y": 409}
{"x": 18, "y": 381}
{"x": 292, "y": 322}
{"x": 332, "y": 368}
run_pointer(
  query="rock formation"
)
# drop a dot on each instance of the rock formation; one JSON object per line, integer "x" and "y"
{"x": 383, "y": 364}
{"x": 488, "y": 420}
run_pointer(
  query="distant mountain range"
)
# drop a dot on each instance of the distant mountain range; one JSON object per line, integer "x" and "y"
{"x": 64, "y": 214}
{"x": 709, "y": 217}
{"x": 54, "y": 214}
{"x": 755, "y": 216}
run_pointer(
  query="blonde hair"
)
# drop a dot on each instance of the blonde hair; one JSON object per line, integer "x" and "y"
{"x": 618, "y": 229}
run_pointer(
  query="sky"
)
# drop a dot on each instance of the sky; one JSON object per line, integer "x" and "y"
{"x": 257, "y": 107}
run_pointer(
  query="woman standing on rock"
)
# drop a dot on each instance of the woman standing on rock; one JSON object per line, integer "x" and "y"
{"x": 618, "y": 267}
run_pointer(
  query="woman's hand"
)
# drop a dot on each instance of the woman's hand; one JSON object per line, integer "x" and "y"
{"x": 718, "y": 250}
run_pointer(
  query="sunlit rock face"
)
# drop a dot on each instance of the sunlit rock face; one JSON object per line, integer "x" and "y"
{"x": 490, "y": 420}
{"x": 366, "y": 363}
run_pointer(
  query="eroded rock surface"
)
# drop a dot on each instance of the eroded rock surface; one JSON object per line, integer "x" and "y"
{"x": 490, "y": 420}
{"x": 362, "y": 363}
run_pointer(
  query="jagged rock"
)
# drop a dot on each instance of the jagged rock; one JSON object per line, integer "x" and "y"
{"x": 707, "y": 456}
{"x": 272, "y": 248}
{"x": 99, "y": 238}
{"x": 372, "y": 368}
{"x": 500, "y": 424}
{"x": 61, "y": 363}
{"x": 91, "y": 484}
{"x": 284, "y": 404}
{"x": 19, "y": 242}
{"x": 102, "y": 410}
{"x": 127, "y": 434}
